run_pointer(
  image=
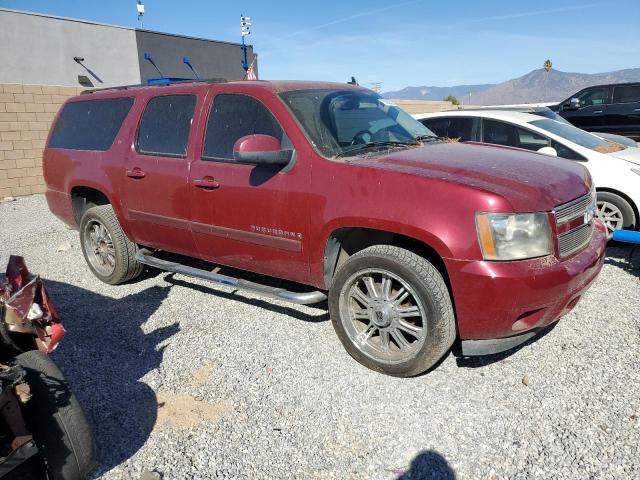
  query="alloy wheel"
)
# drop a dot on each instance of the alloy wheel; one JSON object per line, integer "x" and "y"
{"x": 98, "y": 245}
{"x": 383, "y": 316}
{"x": 611, "y": 215}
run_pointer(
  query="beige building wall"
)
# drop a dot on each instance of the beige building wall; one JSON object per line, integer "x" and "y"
{"x": 423, "y": 106}
{"x": 26, "y": 113}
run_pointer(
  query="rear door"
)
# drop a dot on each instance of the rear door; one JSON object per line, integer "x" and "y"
{"x": 157, "y": 173}
{"x": 623, "y": 114}
{"x": 591, "y": 111}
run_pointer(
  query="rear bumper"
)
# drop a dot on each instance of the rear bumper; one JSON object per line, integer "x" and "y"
{"x": 60, "y": 205}
{"x": 505, "y": 300}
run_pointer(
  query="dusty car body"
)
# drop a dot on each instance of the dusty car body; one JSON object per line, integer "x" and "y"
{"x": 328, "y": 185}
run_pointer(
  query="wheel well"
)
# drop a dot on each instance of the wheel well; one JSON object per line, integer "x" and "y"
{"x": 345, "y": 242}
{"x": 83, "y": 198}
{"x": 629, "y": 201}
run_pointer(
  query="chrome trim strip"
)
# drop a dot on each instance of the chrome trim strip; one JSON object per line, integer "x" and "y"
{"x": 571, "y": 210}
{"x": 248, "y": 237}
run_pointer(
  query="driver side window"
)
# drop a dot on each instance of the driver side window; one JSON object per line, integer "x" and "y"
{"x": 233, "y": 116}
{"x": 594, "y": 96}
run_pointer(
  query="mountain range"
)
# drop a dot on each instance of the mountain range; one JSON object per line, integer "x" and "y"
{"x": 536, "y": 86}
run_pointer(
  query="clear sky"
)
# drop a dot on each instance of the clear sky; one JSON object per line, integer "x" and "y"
{"x": 396, "y": 42}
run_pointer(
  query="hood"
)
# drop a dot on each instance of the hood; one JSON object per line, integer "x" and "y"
{"x": 528, "y": 181}
{"x": 630, "y": 154}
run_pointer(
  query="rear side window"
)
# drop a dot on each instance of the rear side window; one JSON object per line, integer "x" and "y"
{"x": 626, "y": 94}
{"x": 165, "y": 125}
{"x": 451, "y": 127}
{"x": 90, "y": 124}
{"x": 501, "y": 133}
{"x": 234, "y": 116}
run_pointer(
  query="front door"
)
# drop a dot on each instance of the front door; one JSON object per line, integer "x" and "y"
{"x": 157, "y": 184}
{"x": 591, "y": 110}
{"x": 246, "y": 216}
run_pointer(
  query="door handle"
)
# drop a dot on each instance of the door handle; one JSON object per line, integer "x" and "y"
{"x": 206, "y": 183}
{"x": 636, "y": 109}
{"x": 598, "y": 111}
{"x": 136, "y": 173}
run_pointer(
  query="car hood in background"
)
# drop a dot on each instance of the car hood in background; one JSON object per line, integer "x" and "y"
{"x": 630, "y": 154}
{"x": 626, "y": 141}
{"x": 527, "y": 180}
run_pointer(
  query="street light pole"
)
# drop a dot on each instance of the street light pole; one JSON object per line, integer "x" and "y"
{"x": 244, "y": 31}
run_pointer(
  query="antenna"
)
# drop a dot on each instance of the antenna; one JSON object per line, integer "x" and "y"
{"x": 140, "y": 10}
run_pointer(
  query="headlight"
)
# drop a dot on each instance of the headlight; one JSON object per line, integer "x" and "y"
{"x": 514, "y": 236}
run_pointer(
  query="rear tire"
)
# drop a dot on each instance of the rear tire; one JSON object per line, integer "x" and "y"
{"x": 111, "y": 256}
{"x": 55, "y": 419}
{"x": 615, "y": 212}
{"x": 392, "y": 311}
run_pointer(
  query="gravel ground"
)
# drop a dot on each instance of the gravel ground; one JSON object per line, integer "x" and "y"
{"x": 206, "y": 383}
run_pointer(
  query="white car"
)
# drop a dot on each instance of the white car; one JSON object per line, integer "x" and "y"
{"x": 615, "y": 168}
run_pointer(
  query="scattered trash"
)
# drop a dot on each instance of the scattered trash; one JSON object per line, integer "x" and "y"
{"x": 8, "y": 199}
{"x": 63, "y": 247}
{"x": 149, "y": 475}
{"x": 525, "y": 380}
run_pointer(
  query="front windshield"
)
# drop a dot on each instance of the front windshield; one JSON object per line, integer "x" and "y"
{"x": 575, "y": 135}
{"x": 348, "y": 122}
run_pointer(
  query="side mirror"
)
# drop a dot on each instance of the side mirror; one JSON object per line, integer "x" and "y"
{"x": 548, "y": 151}
{"x": 573, "y": 104}
{"x": 260, "y": 150}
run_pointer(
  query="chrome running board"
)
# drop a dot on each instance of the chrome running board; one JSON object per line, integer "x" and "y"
{"x": 305, "y": 298}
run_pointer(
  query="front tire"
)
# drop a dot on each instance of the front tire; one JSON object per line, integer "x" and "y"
{"x": 392, "y": 311}
{"x": 615, "y": 212}
{"x": 55, "y": 418}
{"x": 111, "y": 256}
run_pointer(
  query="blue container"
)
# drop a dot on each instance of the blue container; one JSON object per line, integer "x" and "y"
{"x": 626, "y": 236}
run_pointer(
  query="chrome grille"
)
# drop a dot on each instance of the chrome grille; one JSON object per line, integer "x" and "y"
{"x": 572, "y": 210}
{"x": 575, "y": 240}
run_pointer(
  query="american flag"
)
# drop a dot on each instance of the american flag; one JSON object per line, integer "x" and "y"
{"x": 251, "y": 71}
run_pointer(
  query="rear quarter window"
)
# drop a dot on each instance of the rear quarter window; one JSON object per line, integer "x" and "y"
{"x": 626, "y": 94}
{"x": 89, "y": 124}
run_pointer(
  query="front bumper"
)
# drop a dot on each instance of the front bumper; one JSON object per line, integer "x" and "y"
{"x": 511, "y": 301}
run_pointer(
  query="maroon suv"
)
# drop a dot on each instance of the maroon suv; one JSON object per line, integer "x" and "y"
{"x": 417, "y": 241}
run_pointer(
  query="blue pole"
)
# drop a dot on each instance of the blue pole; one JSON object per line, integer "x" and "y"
{"x": 245, "y": 65}
{"x": 626, "y": 236}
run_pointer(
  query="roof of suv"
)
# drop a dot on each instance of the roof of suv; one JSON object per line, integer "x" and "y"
{"x": 275, "y": 86}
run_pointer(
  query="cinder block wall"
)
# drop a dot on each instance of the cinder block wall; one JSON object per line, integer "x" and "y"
{"x": 26, "y": 113}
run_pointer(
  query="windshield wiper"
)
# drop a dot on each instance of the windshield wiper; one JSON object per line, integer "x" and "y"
{"x": 368, "y": 145}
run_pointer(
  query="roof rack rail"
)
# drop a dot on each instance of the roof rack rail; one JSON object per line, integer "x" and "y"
{"x": 141, "y": 85}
